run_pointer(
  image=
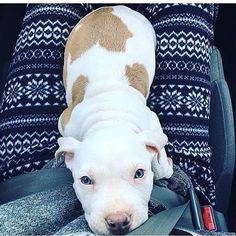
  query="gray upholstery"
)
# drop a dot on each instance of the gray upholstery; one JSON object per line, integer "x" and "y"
{"x": 221, "y": 131}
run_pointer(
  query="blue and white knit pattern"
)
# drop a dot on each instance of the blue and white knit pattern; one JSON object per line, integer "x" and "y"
{"x": 34, "y": 95}
{"x": 180, "y": 93}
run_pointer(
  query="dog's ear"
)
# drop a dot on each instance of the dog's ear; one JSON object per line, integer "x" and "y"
{"x": 67, "y": 148}
{"x": 153, "y": 139}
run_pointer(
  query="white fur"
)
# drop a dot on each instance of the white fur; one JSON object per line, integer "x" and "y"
{"x": 108, "y": 133}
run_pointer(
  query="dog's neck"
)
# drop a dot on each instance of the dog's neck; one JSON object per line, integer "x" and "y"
{"x": 101, "y": 87}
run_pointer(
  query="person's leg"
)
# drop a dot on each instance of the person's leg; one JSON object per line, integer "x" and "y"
{"x": 180, "y": 93}
{"x": 34, "y": 96}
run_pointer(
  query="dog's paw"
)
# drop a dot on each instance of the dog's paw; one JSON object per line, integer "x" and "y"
{"x": 163, "y": 170}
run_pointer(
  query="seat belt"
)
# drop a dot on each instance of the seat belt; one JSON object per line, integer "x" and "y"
{"x": 167, "y": 197}
{"x": 162, "y": 223}
{"x": 177, "y": 215}
{"x": 48, "y": 179}
{"x": 34, "y": 182}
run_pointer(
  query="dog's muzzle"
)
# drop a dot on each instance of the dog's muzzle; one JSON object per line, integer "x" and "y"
{"x": 118, "y": 223}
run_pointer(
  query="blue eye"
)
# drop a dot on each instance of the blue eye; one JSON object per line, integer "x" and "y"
{"x": 86, "y": 180}
{"x": 139, "y": 174}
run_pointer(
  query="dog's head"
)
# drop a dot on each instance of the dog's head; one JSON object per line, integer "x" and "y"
{"x": 113, "y": 177}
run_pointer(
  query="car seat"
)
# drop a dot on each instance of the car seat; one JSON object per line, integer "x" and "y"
{"x": 221, "y": 132}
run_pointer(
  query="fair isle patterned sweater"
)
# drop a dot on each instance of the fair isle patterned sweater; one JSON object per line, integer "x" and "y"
{"x": 34, "y": 95}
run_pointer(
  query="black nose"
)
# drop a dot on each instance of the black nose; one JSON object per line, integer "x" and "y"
{"x": 118, "y": 223}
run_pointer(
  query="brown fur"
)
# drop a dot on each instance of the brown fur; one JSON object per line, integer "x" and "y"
{"x": 78, "y": 91}
{"x": 138, "y": 77}
{"x": 101, "y": 26}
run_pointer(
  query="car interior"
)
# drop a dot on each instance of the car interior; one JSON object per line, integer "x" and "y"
{"x": 223, "y": 97}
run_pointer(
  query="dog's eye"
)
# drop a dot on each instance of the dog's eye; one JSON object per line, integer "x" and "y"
{"x": 86, "y": 180}
{"x": 139, "y": 174}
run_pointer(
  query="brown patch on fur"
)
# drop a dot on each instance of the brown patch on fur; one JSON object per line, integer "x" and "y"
{"x": 78, "y": 91}
{"x": 102, "y": 27}
{"x": 138, "y": 77}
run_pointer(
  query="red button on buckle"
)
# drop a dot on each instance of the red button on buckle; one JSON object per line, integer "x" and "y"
{"x": 208, "y": 218}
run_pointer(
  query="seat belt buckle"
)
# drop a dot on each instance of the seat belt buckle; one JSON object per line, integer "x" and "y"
{"x": 208, "y": 218}
{"x": 195, "y": 210}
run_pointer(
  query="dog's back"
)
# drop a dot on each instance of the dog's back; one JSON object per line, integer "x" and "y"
{"x": 110, "y": 47}
{"x": 110, "y": 43}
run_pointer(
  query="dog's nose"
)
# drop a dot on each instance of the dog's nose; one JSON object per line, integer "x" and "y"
{"x": 118, "y": 223}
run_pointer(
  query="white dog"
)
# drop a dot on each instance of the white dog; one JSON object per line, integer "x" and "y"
{"x": 111, "y": 141}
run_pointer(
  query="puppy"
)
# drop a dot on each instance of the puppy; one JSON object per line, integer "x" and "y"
{"x": 112, "y": 142}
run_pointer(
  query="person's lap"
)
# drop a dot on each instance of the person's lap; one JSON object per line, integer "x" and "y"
{"x": 34, "y": 95}
{"x": 180, "y": 93}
